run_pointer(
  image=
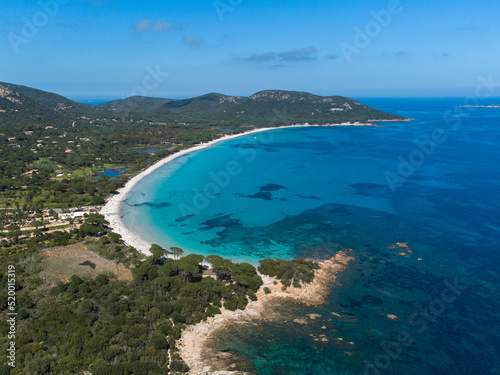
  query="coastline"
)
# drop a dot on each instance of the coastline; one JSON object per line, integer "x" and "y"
{"x": 193, "y": 343}
{"x": 111, "y": 210}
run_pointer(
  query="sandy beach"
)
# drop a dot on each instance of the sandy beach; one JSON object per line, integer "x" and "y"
{"x": 111, "y": 210}
{"x": 202, "y": 360}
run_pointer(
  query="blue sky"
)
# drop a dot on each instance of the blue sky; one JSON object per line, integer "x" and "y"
{"x": 109, "y": 48}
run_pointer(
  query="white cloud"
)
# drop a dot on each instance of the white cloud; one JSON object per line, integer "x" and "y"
{"x": 156, "y": 26}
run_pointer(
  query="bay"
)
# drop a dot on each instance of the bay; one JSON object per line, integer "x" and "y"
{"x": 417, "y": 202}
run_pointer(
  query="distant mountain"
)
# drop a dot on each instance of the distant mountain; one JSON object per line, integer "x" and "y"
{"x": 270, "y": 107}
{"x": 24, "y": 105}
{"x": 141, "y": 104}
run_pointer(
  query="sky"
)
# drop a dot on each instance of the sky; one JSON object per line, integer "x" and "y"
{"x": 178, "y": 49}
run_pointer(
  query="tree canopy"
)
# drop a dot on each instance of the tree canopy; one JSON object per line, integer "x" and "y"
{"x": 157, "y": 252}
{"x": 296, "y": 271}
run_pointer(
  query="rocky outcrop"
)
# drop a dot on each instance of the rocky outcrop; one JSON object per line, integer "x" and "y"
{"x": 193, "y": 341}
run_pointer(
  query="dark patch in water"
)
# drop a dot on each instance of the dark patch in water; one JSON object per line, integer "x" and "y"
{"x": 262, "y": 195}
{"x": 275, "y": 147}
{"x": 225, "y": 221}
{"x": 154, "y": 205}
{"x": 271, "y": 187}
{"x": 257, "y": 147}
{"x": 184, "y": 218}
{"x": 304, "y": 196}
{"x": 264, "y": 192}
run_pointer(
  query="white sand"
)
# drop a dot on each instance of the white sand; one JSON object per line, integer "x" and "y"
{"x": 111, "y": 209}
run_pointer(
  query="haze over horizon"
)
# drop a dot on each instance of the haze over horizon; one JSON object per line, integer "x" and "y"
{"x": 110, "y": 49}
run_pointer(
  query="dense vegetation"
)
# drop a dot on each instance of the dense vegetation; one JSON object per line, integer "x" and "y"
{"x": 294, "y": 272}
{"x": 109, "y": 327}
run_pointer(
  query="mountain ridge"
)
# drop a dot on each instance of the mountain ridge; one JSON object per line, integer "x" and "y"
{"x": 22, "y": 104}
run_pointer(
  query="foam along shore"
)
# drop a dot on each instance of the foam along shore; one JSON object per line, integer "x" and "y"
{"x": 111, "y": 210}
{"x": 193, "y": 343}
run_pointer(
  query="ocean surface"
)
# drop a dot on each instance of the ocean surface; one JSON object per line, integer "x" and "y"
{"x": 417, "y": 203}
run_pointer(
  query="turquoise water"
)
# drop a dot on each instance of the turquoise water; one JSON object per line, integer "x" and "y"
{"x": 314, "y": 191}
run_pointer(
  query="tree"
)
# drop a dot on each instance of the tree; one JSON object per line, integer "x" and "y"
{"x": 190, "y": 266}
{"x": 36, "y": 224}
{"x": 146, "y": 271}
{"x": 248, "y": 281}
{"x": 88, "y": 230}
{"x": 222, "y": 267}
{"x": 296, "y": 271}
{"x": 14, "y": 232}
{"x": 96, "y": 219}
{"x": 160, "y": 342}
{"x": 177, "y": 251}
{"x": 114, "y": 237}
{"x": 157, "y": 252}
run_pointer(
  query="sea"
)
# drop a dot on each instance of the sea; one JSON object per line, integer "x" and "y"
{"x": 416, "y": 202}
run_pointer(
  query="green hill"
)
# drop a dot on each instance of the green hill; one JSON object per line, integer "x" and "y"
{"x": 265, "y": 108}
{"x": 27, "y": 106}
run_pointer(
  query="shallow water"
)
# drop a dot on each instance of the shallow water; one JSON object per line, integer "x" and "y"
{"x": 313, "y": 191}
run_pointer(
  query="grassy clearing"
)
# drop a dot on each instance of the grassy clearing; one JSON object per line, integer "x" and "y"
{"x": 86, "y": 171}
{"x": 60, "y": 263}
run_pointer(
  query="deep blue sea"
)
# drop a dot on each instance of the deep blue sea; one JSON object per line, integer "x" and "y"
{"x": 431, "y": 184}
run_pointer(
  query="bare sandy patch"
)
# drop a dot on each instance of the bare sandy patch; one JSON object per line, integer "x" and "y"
{"x": 76, "y": 259}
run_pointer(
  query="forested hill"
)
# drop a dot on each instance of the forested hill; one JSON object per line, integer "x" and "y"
{"x": 265, "y": 108}
{"x": 26, "y": 106}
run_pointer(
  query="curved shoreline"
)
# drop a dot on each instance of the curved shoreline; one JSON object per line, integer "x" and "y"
{"x": 194, "y": 339}
{"x": 111, "y": 210}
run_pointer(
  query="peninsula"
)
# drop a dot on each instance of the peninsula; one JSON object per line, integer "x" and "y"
{"x": 193, "y": 344}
